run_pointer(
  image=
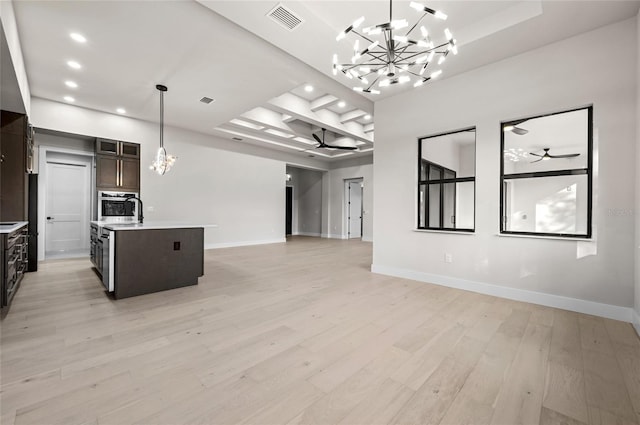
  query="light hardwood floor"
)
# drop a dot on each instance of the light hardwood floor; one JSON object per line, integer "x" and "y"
{"x": 303, "y": 333}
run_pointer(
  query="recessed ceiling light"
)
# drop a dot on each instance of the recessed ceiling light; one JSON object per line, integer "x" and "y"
{"x": 71, "y": 84}
{"x": 367, "y": 117}
{"x": 74, "y": 64}
{"x": 342, "y": 104}
{"x": 78, "y": 37}
{"x": 69, "y": 99}
{"x": 308, "y": 88}
{"x": 121, "y": 111}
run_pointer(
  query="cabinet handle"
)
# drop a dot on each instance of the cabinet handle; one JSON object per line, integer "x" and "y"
{"x": 121, "y": 172}
{"x": 117, "y": 172}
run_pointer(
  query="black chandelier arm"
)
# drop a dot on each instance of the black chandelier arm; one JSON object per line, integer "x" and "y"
{"x": 363, "y": 36}
{"x": 416, "y": 24}
{"x": 417, "y": 75}
{"x": 374, "y": 82}
{"x": 381, "y": 56}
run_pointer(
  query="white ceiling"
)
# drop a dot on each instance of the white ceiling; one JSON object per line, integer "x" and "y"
{"x": 487, "y": 31}
{"x": 214, "y": 51}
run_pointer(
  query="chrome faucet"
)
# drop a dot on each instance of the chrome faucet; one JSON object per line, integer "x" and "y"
{"x": 140, "y": 214}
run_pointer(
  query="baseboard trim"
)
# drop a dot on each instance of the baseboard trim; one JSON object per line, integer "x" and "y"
{"x": 332, "y": 236}
{"x": 566, "y": 303}
{"x": 242, "y": 243}
{"x": 367, "y": 239}
{"x": 317, "y": 235}
{"x": 636, "y": 321}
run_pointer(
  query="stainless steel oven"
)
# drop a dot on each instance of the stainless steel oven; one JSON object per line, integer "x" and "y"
{"x": 115, "y": 207}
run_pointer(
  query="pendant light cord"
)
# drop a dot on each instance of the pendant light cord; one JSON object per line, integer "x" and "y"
{"x": 161, "y": 119}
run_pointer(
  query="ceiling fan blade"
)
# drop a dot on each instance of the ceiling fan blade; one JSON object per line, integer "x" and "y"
{"x": 346, "y": 148}
{"x": 537, "y": 160}
{"x": 569, "y": 155}
{"x": 315, "y": 136}
{"x": 519, "y": 131}
{"x": 535, "y": 154}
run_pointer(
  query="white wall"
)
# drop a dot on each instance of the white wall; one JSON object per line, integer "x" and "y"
{"x": 63, "y": 141}
{"x": 333, "y": 224}
{"x": 637, "y": 209}
{"x": 243, "y": 194}
{"x": 557, "y": 272}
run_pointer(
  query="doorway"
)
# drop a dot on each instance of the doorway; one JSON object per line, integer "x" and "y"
{"x": 353, "y": 207}
{"x": 67, "y": 205}
{"x": 289, "y": 211}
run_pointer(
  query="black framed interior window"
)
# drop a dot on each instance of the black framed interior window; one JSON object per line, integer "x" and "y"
{"x": 546, "y": 174}
{"x": 446, "y": 181}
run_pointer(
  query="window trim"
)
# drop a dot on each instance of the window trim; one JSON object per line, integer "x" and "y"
{"x": 554, "y": 173}
{"x": 443, "y": 181}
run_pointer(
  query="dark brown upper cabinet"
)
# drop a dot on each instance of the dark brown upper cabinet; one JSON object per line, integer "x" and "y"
{"x": 117, "y": 165}
{"x": 117, "y": 148}
{"x": 13, "y": 174}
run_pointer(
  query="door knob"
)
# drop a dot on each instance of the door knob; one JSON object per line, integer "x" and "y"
{"x": 49, "y": 218}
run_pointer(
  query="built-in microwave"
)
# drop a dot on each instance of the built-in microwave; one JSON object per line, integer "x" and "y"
{"x": 116, "y": 207}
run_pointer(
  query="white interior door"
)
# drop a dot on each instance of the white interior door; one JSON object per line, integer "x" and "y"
{"x": 355, "y": 209}
{"x": 67, "y": 207}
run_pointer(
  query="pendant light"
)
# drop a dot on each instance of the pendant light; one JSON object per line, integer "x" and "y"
{"x": 163, "y": 162}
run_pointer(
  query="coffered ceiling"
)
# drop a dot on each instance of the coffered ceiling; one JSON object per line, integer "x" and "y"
{"x": 289, "y": 121}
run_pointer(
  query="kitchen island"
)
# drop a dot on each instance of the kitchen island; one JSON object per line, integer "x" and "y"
{"x": 141, "y": 258}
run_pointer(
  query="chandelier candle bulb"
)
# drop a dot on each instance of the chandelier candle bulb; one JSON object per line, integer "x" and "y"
{"x": 399, "y": 24}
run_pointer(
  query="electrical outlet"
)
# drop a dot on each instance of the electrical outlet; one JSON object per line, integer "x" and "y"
{"x": 448, "y": 258}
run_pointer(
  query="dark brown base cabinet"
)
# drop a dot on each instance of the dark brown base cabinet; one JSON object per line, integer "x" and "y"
{"x": 148, "y": 261}
{"x": 13, "y": 263}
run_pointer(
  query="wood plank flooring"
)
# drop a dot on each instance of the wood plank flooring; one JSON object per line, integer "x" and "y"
{"x": 303, "y": 333}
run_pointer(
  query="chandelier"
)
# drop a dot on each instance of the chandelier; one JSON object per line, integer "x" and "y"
{"x": 163, "y": 162}
{"x": 390, "y": 54}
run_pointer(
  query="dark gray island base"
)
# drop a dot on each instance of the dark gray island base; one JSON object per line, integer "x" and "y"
{"x": 155, "y": 260}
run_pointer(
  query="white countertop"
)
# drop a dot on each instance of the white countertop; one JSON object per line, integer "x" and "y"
{"x": 150, "y": 225}
{"x": 11, "y": 226}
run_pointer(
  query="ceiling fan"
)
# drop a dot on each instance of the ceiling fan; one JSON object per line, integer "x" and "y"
{"x": 547, "y": 156}
{"x": 324, "y": 145}
{"x": 513, "y": 127}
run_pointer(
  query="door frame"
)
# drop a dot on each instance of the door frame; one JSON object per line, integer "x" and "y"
{"x": 345, "y": 209}
{"x": 42, "y": 184}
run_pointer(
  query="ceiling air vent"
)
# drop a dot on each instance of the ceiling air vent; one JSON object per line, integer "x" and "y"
{"x": 206, "y": 100}
{"x": 285, "y": 17}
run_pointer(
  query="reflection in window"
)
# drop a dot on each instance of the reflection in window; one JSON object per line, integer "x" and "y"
{"x": 546, "y": 175}
{"x": 446, "y": 183}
